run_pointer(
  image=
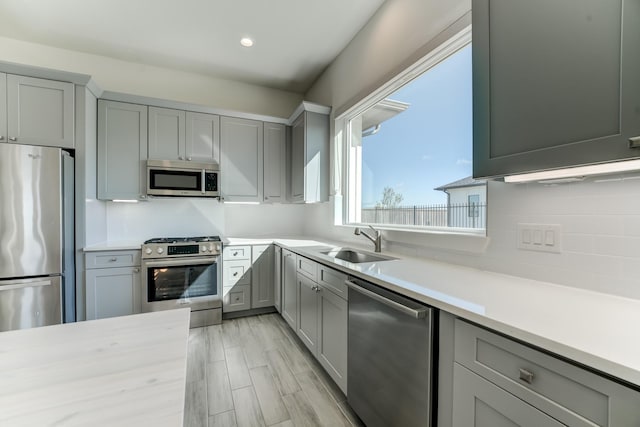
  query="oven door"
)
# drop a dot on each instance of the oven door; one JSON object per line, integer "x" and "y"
{"x": 185, "y": 282}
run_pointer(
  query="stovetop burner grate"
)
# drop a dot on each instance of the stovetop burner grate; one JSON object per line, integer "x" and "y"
{"x": 199, "y": 239}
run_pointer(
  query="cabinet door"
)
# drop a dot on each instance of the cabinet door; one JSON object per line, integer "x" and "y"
{"x": 289, "y": 289}
{"x": 275, "y": 172}
{"x": 40, "y": 111}
{"x": 333, "y": 315}
{"x": 297, "y": 159}
{"x": 478, "y": 402}
{"x": 122, "y": 150}
{"x": 241, "y": 146}
{"x": 262, "y": 276}
{"x": 308, "y": 313}
{"x": 112, "y": 292}
{"x": 3, "y": 108}
{"x": 556, "y": 83}
{"x": 203, "y": 137}
{"x": 277, "y": 279}
{"x": 166, "y": 134}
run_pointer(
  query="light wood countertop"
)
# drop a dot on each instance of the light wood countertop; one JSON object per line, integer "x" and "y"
{"x": 123, "y": 371}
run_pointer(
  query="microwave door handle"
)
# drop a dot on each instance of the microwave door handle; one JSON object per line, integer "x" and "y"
{"x": 180, "y": 262}
{"x": 203, "y": 187}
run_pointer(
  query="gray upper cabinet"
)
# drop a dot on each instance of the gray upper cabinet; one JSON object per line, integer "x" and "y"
{"x": 241, "y": 162}
{"x": 183, "y": 135}
{"x": 556, "y": 83}
{"x": 122, "y": 150}
{"x": 166, "y": 134}
{"x": 275, "y": 171}
{"x": 203, "y": 137}
{"x": 38, "y": 111}
{"x": 310, "y": 158}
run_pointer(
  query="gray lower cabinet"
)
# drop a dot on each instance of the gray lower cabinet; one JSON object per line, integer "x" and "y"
{"x": 241, "y": 163}
{"x": 275, "y": 170}
{"x": 277, "y": 278}
{"x": 38, "y": 111}
{"x": 493, "y": 375}
{"x": 289, "y": 289}
{"x": 262, "y": 276}
{"x": 310, "y": 158}
{"x": 322, "y": 320}
{"x": 480, "y": 403}
{"x": 122, "y": 150}
{"x": 556, "y": 83}
{"x": 307, "y": 323}
{"x": 112, "y": 284}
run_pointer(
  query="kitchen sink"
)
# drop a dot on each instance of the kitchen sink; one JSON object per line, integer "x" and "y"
{"x": 355, "y": 257}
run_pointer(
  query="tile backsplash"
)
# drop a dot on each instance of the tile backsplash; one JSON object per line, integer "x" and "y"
{"x": 600, "y": 221}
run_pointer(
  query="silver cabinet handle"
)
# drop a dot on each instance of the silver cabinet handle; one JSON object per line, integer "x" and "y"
{"x": 180, "y": 158}
{"x": 13, "y": 138}
{"x": 189, "y": 158}
{"x": 1, "y": 137}
{"x": 287, "y": 254}
{"x": 314, "y": 288}
{"x": 136, "y": 270}
{"x": 143, "y": 196}
{"x": 526, "y": 376}
{"x": 114, "y": 259}
{"x": 235, "y": 254}
{"x": 417, "y": 313}
{"x": 21, "y": 284}
{"x": 634, "y": 142}
{"x": 235, "y": 274}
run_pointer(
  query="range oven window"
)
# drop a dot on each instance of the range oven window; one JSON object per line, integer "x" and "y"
{"x": 175, "y": 180}
{"x": 176, "y": 282}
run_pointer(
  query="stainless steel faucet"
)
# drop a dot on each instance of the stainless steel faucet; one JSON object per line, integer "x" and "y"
{"x": 377, "y": 240}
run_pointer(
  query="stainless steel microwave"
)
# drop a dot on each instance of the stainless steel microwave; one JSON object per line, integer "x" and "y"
{"x": 182, "y": 178}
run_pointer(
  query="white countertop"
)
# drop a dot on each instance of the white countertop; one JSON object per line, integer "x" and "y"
{"x": 595, "y": 329}
{"x": 123, "y": 371}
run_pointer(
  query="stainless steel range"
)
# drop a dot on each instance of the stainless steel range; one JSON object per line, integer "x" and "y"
{"x": 183, "y": 272}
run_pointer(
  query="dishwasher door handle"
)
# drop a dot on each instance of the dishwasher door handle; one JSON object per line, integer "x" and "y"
{"x": 417, "y": 313}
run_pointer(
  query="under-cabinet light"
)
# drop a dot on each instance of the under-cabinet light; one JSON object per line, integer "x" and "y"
{"x": 600, "y": 169}
{"x": 124, "y": 201}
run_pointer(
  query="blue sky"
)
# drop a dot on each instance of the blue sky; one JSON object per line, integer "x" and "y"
{"x": 430, "y": 143}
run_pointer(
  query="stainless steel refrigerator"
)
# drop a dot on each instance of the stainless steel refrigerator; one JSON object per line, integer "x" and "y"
{"x": 37, "y": 285}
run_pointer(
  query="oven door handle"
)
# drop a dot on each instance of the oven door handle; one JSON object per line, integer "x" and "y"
{"x": 180, "y": 262}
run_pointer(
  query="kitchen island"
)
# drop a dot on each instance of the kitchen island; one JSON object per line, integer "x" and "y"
{"x": 120, "y": 371}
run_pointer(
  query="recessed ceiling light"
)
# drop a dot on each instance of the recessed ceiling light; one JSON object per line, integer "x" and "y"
{"x": 246, "y": 42}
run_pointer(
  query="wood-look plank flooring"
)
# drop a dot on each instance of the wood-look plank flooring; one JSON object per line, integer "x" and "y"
{"x": 254, "y": 371}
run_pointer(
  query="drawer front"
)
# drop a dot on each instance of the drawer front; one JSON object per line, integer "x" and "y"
{"x": 112, "y": 259}
{"x": 566, "y": 392}
{"x": 307, "y": 267}
{"x": 236, "y": 272}
{"x": 236, "y": 252}
{"x": 236, "y": 298}
{"x": 333, "y": 281}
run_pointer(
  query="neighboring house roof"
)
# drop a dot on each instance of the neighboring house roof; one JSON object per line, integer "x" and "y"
{"x": 461, "y": 183}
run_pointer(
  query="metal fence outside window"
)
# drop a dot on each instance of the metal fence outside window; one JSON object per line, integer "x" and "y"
{"x": 455, "y": 215}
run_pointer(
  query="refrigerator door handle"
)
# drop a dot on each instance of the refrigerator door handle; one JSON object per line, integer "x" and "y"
{"x": 5, "y": 286}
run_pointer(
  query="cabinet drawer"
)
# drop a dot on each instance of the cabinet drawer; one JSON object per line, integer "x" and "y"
{"x": 236, "y": 252}
{"x": 112, "y": 259}
{"x": 236, "y": 298}
{"x": 236, "y": 272}
{"x": 564, "y": 391}
{"x": 307, "y": 267}
{"x": 333, "y": 281}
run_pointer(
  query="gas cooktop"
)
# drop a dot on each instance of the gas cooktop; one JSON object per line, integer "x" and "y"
{"x": 200, "y": 239}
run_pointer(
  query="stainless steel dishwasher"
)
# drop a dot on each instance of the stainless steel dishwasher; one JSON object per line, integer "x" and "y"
{"x": 389, "y": 357}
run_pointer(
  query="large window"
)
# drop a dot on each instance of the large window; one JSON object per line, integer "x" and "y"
{"x": 409, "y": 151}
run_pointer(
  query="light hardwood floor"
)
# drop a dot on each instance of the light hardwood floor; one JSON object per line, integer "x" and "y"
{"x": 254, "y": 371}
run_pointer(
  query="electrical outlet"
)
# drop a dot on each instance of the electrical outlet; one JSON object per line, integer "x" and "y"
{"x": 540, "y": 237}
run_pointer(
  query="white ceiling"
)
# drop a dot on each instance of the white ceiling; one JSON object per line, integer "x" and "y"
{"x": 294, "y": 39}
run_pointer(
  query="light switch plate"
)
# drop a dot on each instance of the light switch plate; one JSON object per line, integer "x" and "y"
{"x": 540, "y": 237}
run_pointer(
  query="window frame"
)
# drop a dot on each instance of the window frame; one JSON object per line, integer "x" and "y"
{"x": 348, "y": 167}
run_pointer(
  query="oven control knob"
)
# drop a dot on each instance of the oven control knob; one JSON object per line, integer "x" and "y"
{"x": 160, "y": 250}
{"x": 148, "y": 251}
{"x": 203, "y": 248}
{"x": 218, "y": 247}
{"x": 210, "y": 248}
